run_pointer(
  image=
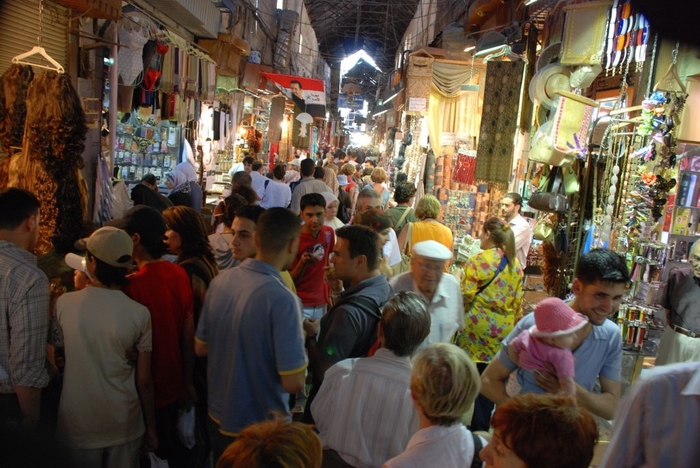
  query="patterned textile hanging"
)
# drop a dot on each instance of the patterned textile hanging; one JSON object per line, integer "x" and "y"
{"x": 465, "y": 168}
{"x": 499, "y": 121}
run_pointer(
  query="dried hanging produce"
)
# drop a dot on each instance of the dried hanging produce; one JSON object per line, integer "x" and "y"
{"x": 51, "y": 160}
{"x": 13, "y": 110}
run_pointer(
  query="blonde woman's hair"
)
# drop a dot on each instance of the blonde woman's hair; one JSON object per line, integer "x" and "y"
{"x": 274, "y": 443}
{"x": 428, "y": 207}
{"x": 502, "y": 235}
{"x": 348, "y": 169}
{"x": 445, "y": 382}
{"x": 379, "y": 175}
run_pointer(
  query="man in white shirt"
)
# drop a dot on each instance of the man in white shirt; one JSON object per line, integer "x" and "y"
{"x": 440, "y": 290}
{"x": 276, "y": 192}
{"x": 510, "y": 212}
{"x": 363, "y": 410}
{"x": 258, "y": 180}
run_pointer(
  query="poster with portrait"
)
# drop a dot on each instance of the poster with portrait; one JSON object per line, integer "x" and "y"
{"x": 308, "y": 94}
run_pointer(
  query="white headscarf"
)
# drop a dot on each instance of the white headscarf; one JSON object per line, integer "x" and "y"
{"x": 188, "y": 169}
{"x": 179, "y": 180}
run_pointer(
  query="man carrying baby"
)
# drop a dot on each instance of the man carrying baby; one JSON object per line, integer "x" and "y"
{"x": 599, "y": 285}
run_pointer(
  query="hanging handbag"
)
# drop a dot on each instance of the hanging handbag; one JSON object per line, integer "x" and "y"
{"x": 544, "y": 229}
{"x": 561, "y": 239}
{"x": 554, "y": 199}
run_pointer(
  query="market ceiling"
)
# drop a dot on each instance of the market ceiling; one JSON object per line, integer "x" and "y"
{"x": 345, "y": 26}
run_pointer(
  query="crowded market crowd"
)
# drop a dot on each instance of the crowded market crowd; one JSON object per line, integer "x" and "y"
{"x": 313, "y": 323}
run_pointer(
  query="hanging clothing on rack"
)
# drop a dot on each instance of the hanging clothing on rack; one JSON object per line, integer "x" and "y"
{"x": 130, "y": 55}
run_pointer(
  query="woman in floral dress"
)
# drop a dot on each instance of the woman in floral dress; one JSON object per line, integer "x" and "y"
{"x": 492, "y": 287}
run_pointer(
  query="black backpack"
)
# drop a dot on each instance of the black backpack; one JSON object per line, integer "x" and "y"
{"x": 345, "y": 206}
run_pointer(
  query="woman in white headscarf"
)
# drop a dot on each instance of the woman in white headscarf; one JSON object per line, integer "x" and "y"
{"x": 179, "y": 188}
{"x": 195, "y": 190}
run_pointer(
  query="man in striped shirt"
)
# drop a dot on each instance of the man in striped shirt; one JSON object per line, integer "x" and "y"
{"x": 363, "y": 410}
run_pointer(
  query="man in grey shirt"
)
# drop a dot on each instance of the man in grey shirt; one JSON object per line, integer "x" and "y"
{"x": 307, "y": 184}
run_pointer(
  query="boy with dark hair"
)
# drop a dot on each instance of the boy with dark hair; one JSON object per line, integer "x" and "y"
{"x": 315, "y": 245}
{"x": 165, "y": 289}
{"x": 104, "y": 400}
{"x": 243, "y": 228}
{"x": 245, "y": 165}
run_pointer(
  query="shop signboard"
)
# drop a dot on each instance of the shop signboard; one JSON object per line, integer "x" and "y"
{"x": 417, "y": 104}
{"x": 309, "y": 94}
{"x": 351, "y": 101}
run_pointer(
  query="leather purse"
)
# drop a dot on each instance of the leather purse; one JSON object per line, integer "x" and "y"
{"x": 554, "y": 199}
{"x": 543, "y": 230}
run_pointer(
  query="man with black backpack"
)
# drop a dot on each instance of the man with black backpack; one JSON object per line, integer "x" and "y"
{"x": 349, "y": 328}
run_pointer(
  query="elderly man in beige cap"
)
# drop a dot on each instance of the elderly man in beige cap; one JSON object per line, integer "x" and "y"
{"x": 439, "y": 289}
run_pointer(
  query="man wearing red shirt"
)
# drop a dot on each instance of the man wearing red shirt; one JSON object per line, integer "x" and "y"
{"x": 165, "y": 289}
{"x": 316, "y": 244}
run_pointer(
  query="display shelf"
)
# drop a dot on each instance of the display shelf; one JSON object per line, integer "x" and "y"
{"x": 143, "y": 149}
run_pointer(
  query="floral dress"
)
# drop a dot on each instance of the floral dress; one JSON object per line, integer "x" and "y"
{"x": 491, "y": 314}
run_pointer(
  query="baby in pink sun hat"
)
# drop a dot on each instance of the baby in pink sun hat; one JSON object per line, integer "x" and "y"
{"x": 550, "y": 341}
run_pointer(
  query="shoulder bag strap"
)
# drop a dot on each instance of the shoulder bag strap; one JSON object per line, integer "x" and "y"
{"x": 555, "y": 183}
{"x": 501, "y": 267}
{"x": 477, "y": 462}
{"x": 403, "y": 216}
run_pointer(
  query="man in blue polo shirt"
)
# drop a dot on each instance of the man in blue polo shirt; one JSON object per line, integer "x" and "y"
{"x": 600, "y": 283}
{"x": 250, "y": 329}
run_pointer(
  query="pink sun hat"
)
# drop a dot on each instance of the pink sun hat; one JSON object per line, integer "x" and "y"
{"x": 554, "y": 318}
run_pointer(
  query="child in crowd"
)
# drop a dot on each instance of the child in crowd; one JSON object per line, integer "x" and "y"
{"x": 549, "y": 341}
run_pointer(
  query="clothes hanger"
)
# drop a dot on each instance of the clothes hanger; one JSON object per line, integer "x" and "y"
{"x": 672, "y": 73}
{"x": 39, "y": 50}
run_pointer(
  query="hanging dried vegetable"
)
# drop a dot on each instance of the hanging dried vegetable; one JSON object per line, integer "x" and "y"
{"x": 13, "y": 110}
{"x": 51, "y": 160}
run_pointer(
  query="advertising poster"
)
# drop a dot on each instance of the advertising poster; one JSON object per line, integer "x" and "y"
{"x": 309, "y": 94}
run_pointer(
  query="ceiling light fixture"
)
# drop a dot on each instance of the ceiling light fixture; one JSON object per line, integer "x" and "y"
{"x": 390, "y": 94}
{"x": 379, "y": 110}
{"x": 490, "y": 42}
{"x": 470, "y": 45}
{"x": 529, "y": 2}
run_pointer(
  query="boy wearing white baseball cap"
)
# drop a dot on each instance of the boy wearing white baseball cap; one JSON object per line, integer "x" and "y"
{"x": 105, "y": 399}
{"x": 550, "y": 341}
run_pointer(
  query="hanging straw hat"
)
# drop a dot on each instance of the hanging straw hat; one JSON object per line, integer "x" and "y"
{"x": 551, "y": 78}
